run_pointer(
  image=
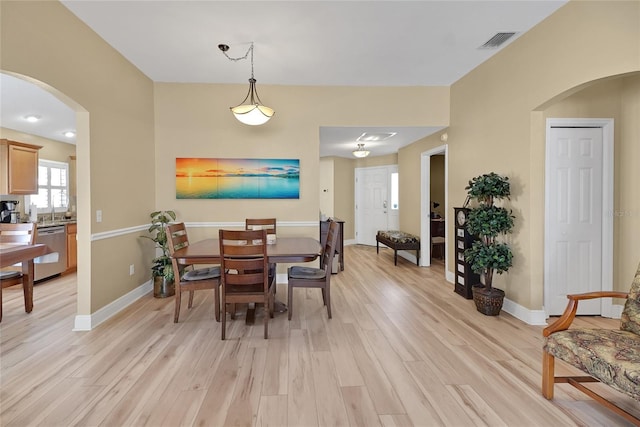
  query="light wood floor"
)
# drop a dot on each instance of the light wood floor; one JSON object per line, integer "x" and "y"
{"x": 402, "y": 349}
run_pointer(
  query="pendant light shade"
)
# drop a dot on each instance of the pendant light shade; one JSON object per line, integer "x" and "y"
{"x": 251, "y": 111}
{"x": 360, "y": 151}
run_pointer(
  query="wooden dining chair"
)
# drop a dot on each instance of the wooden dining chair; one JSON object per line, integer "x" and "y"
{"x": 186, "y": 276}
{"x": 16, "y": 233}
{"x": 268, "y": 224}
{"x": 307, "y": 277}
{"x": 245, "y": 272}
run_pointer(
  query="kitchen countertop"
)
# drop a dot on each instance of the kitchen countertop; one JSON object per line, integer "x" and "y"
{"x": 56, "y": 223}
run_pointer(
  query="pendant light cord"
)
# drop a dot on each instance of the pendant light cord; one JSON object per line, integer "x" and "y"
{"x": 250, "y": 50}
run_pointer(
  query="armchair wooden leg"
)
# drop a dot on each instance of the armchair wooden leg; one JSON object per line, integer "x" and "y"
{"x": 548, "y": 362}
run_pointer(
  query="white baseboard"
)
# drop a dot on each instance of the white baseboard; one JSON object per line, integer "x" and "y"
{"x": 88, "y": 322}
{"x": 450, "y": 277}
{"x": 616, "y": 311}
{"x": 530, "y": 317}
{"x": 539, "y": 317}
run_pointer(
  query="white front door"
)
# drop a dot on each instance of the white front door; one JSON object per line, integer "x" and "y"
{"x": 372, "y": 203}
{"x": 573, "y": 262}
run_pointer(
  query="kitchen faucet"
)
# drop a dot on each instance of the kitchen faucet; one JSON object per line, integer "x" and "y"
{"x": 53, "y": 213}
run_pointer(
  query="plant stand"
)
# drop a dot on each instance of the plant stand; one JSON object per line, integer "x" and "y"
{"x": 163, "y": 288}
{"x": 488, "y": 302}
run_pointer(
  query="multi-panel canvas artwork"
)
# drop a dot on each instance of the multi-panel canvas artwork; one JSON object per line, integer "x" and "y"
{"x": 201, "y": 178}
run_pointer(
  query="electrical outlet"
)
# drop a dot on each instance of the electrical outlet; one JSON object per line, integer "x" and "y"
{"x": 98, "y": 216}
{"x": 132, "y": 270}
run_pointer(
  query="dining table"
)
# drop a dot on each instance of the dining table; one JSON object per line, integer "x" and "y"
{"x": 14, "y": 253}
{"x": 283, "y": 250}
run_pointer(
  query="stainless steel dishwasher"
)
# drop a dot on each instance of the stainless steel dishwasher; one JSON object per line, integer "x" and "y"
{"x": 50, "y": 265}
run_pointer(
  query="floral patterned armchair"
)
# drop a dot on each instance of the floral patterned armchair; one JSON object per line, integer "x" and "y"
{"x": 611, "y": 357}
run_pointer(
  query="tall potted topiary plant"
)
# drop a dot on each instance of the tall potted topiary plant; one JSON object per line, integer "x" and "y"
{"x": 161, "y": 269}
{"x": 488, "y": 222}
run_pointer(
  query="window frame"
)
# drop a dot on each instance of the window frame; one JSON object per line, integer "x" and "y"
{"x": 58, "y": 165}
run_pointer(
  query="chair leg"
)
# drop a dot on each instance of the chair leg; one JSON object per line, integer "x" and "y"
{"x": 272, "y": 302}
{"x": 216, "y": 297}
{"x": 289, "y": 300}
{"x": 266, "y": 323}
{"x": 327, "y": 292}
{"x": 548, "y": 363}
{"x": 177, "y": 309}
{"x": 191, "y": 298}
{"x": 223, "y": 318}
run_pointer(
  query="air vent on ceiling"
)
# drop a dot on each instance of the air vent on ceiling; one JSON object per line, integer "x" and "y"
{"x": 497, "y": 40}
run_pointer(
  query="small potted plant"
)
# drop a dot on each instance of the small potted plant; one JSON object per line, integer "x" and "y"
{"x": 161, "y": 269}
{"x": 488, "y": 222}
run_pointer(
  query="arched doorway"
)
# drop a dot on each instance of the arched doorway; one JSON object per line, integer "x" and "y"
{"x": 41, "y": 92}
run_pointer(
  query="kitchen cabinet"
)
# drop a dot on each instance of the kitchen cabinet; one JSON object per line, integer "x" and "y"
{"x": 72, "y": 247}
{"x": 18, "y": 167}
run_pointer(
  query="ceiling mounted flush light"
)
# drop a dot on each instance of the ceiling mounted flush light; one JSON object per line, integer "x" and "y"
{"x": 375, "y": 136}
{"x": 251, "y": 111}
{"x": 69, "y": 134}
{"x": 32, "y": 118}
{"x": 360, "y": 151}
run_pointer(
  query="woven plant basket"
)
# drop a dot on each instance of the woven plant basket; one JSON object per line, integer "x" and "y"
{"x": 488, "y": 303}
{"x": 162, "y": 288}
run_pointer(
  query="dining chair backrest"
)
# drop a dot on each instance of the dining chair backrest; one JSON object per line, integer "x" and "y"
{"x": 18, "y": 233}
{"x": 329, "y": 249}
{"x": 268, "y": 224}
{"x": 244, "y": 250}
{"x": 245, "y": 270}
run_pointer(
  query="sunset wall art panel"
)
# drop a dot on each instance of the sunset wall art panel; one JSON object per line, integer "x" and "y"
{"x": 202, "y": 178}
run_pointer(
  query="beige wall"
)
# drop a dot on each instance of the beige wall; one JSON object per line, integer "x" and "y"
{"x": 193, "y": 120}
{"x": 344, "y": 195}
{"x": 495, "y": 127}
{"x": 325, "y": 183}
{"x": 409, "y": 160}
{"x": 42, "y": 40}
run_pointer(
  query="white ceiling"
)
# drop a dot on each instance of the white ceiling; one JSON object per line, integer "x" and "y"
{"x": 338, "y": 43}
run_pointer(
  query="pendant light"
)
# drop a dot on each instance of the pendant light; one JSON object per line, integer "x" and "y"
{"x": 360, "y": 151}
{"x": 250, "y": 111}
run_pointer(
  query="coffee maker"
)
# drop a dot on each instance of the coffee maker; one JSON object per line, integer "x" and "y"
{"x": 9, "y": 211}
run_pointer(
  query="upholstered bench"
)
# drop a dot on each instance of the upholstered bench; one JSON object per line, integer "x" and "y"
{"x": 611, "y": 357}
{"x": 398, "y": 240}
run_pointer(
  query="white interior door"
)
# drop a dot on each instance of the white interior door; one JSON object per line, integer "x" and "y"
{"x": 372, "y": 203}
{"x": 573, "y": 258}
